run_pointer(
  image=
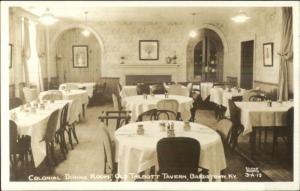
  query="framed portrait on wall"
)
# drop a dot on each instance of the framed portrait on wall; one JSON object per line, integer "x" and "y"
{"x": 268, "y": 54}
{"x": 148, "y": 50}
{"x": 10, "y": 55}
{"x": 80, "y": 56}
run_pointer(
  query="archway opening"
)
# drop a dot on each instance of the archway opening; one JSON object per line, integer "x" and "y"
{"x": 71, "y": 45}
{"x": 205, "y": 55}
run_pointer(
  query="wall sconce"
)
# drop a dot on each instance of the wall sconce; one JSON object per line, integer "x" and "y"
{"x": 58, "y": 57}
{"x": 122, "y": 59}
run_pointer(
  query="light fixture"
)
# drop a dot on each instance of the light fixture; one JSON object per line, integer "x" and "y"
{"x": 47, "y": 18}
{"x": 193, "y": 33}
{"x": 86, "y": 32}
{"x": 240, "y": 17}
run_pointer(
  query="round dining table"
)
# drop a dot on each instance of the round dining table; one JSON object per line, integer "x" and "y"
{"x": 138, "y": 104}
{"x": 80, "y": 95}
{"x": 136, "y": 153}
{"x": 34, "y": 124}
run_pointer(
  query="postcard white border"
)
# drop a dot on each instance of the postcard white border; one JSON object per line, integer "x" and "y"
{"x": 6, "y": 185}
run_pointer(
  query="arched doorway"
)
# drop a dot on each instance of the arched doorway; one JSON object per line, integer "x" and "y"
{"x": 62, "y": 54}
{"x": 205, "y": 55}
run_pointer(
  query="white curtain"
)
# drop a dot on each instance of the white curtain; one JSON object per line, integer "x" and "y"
{"x": 41, "y": 52}
{"x": 286, "y": 53}
{"x": 26, "y": 52}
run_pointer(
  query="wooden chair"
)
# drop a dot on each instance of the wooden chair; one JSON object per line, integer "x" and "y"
{"x": 15, "y": 102}
{"x": 108, "y": 142}
{"x": 178, "y": 156}
{"x": 19, "y": 149}
{"x": 167, "y": 109}
{"x": 49, "y": 137}
{"x": 117, "y": 102}
{"x": 60, "y": 133}
{"x": 30, "y": 94}
{"x": 224, "y": 129}
{"x": 286, "y": 133}
{"x": 235, "y": 117}
{"x": 71, "y": 123}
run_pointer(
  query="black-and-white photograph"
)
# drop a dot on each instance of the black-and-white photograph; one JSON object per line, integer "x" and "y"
{"x": 196, "y": 94}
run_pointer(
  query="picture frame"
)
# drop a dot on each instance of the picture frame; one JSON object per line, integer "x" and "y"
{"x": 149, "y": 50}
{"x": 10, "y": 54}
{"x": 268, "y": 54}
{"x": 80, "y": 56}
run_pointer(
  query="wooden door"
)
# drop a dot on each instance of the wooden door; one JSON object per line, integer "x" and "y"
{"x": 247, "y": 64}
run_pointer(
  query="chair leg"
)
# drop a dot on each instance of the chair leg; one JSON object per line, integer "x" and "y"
{"x": 52, "y": 152}
{"x": 47, "y": 158}
{"x": 74, "y": 133}
{"x": 63, "y": 140}
{"x": 62, "y": 148}
{"x": 70, "y": 138}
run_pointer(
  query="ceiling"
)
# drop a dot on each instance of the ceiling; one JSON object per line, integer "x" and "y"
{"x": 147, "y": 14}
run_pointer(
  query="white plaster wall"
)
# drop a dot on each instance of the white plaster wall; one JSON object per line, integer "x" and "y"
{"x": 122, "y": 39}
{"x": 262, "y": 28}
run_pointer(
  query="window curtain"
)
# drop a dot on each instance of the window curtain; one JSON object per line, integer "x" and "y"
{"x": 40, "y": 49}
{"x": 286, "y": 53}
{"x": 26, "y": 49}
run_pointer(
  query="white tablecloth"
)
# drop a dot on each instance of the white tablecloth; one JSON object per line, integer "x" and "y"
{"x": 258, "y": 114}
{"x": 138, "y": 105}
{"x": 136, "y": 153}
{"x": 131, "y": 91}
{"x": 205, "y": 87}
{"x": 221, "y": 96}
{"x": 128, "y": 91}
{"x": 89, "y": 87}
{"x": 80, "y": 95}
{"x": 35, "y": 124}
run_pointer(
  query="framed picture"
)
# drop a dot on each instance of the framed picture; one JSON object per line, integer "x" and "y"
{"x": 268, "y": 54}
{"x": 10, "y": 55}
{"x": 149, "y": 49}
{"x": 80, "y": 56}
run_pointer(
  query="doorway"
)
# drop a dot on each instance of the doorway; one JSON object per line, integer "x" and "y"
{"x": 247, "y": 64}
{"x": 205, "y": 57}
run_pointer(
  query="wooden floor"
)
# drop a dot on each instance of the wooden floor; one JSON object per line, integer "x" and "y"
{"x": 86, "y": 160}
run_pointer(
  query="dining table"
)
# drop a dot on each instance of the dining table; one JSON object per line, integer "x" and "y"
{"x": 264, "y": 114}
{"x": 77, "y": 94}
{"x": 33, "y": 122}
{"x": 88, "y": 86}
{"x": 139, "y": 104}
{"x": 220, "y": 96}
{"x": 205, "y": 89}
{"x": 136, "y": 153}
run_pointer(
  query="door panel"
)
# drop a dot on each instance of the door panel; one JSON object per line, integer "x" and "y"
{"x": 247, "y": 64}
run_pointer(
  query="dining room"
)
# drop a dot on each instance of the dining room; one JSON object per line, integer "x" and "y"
{"x": 152, "y": 92}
